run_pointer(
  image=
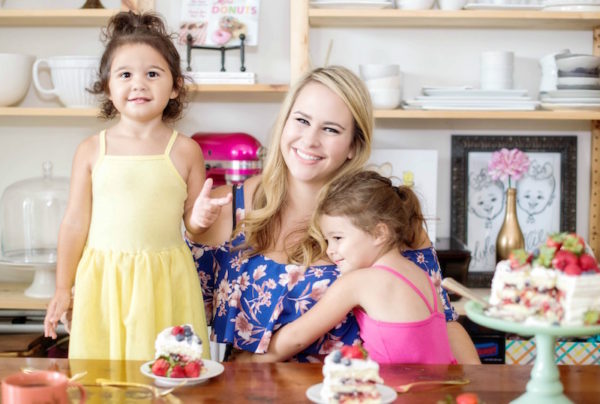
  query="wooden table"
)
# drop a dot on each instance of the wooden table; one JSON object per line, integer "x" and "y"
{"x": 288, "y": 382}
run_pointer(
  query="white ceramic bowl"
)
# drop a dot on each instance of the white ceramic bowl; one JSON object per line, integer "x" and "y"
{"x": 376, "y": 71}
{"x": 570, "y": 63}
{"x": 385, "y": 82}
{"x": 451, "y": 4}
{"x": 415, "y": 4}
{"x": 16, "y": 77}
{"x": 385, "y": 98}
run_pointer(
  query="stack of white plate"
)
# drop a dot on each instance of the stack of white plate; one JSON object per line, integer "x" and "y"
{"x": 571, "y": 99}
{"x": 472, "y": 99}
{"x": 504, "y": 5}
{"x": 572, "y": 5}
{"x": 578, "y": 83}
{"x": 352, "y": 3}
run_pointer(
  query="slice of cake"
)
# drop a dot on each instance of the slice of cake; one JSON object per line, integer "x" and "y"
{"x": 558, "y": 284}
{"x": 178, "y": 353}
{"x": 350, "y": 376}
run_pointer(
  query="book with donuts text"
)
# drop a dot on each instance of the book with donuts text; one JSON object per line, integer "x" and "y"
{"x": 219, "y": 22}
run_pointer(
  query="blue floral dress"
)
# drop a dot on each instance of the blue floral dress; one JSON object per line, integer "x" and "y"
{"x": 247, "y": 299}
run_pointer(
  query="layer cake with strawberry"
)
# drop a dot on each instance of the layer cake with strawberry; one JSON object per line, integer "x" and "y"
{"x": 350, "y": 376}
{"x": 558, "y": 284}
{"x": 178, "y": 353}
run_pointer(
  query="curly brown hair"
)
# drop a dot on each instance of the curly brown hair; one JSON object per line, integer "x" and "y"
{"x": 147, "y": 28}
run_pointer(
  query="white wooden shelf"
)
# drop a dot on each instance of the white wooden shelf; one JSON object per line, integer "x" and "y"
{"x": 55, "y": 18}
{"x": 247, "y": 89}
{"x": 515, "y": 19}
{"x": 48, "y": 112}
{"x": 563, "y": 115}
{"x": 238, "y": 88}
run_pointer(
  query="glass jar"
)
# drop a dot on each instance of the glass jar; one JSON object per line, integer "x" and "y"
{"x": 30, "y": 214}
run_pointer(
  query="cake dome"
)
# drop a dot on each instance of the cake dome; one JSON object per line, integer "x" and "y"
{"x": 30, "y": 214}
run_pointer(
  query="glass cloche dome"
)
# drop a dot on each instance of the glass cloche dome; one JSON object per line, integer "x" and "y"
{"x": 30, "y": 214}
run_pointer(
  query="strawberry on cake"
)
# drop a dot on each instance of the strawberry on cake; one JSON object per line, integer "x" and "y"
{"x": 350, "y": 376}
{"x": 178, "y": 353}
{"x": 557, "y": 284}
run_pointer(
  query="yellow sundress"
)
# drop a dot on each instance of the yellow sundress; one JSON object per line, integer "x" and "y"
{"x": 136, "y": 275}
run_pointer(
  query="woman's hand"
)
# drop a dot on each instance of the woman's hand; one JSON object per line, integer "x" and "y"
{"x": 59, "y": 305}
{"x": 206, "y": 210}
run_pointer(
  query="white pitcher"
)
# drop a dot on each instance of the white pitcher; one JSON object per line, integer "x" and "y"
{"x": 71, "y": 76}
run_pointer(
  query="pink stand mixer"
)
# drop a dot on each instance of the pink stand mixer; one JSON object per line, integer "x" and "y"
{"x": 230, "y": 157}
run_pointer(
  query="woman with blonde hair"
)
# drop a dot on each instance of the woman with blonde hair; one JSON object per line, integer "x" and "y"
{"x": 257, "y": 277}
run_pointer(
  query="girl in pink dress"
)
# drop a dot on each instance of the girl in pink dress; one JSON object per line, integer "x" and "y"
{"x": 365, "y": 223}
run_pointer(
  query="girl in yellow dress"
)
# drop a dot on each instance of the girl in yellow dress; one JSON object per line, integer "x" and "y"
{"x": 121, "y": 240}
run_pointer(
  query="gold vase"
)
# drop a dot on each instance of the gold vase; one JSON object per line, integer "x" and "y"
{"x": 510, "y": 236}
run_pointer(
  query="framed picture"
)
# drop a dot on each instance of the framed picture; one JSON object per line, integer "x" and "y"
{"x": 415, "y": 168}
{"x": 546, "y": 195}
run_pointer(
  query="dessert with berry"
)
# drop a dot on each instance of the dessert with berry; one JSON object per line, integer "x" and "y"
{"x": 178, "y": 353}
{"x": 557, "y": 284}
{"x": 350, "y": 376}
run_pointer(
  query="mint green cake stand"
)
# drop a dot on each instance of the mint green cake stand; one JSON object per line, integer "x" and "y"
{"x": 544, "y": 385}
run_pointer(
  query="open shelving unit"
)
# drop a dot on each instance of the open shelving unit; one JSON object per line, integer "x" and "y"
{"x": 303, "y": 18}
{"x": 247, "y": 89}
{"x": 521, "y": 19}
{"x": 98, "y": 18}
{"x": 55, "y": 18}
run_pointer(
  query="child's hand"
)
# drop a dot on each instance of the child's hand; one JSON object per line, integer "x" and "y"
{"x": 206, "y": 209}
{"x": 59, "y": 305}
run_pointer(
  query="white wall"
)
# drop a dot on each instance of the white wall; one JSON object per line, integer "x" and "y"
{"x": 426, "y": 56}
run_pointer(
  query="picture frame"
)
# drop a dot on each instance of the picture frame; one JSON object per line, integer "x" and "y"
{"x": 416, "y": 168}
{"x": 478, "y": 202}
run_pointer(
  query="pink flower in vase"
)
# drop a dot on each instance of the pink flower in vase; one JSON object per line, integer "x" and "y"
{"x": 508, "y": 164}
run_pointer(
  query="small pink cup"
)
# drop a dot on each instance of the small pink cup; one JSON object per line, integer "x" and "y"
{"x": 38, "y": 387}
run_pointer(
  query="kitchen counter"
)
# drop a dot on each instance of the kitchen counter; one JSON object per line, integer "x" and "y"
{"x": 288, "y": 382}
{"x": 12, "y": 297}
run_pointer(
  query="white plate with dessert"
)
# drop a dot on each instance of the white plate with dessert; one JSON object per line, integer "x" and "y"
{"x": 349, "y": 373}
{"x": 210, "y": 369}
{"x": 178, "y": 358}
{"x": 388, "y": 395}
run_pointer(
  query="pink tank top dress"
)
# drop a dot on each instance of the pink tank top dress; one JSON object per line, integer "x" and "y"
{"x": 424, "y": 341}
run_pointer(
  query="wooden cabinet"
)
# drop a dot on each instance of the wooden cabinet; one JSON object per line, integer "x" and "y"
{"x": 303, "y": 18}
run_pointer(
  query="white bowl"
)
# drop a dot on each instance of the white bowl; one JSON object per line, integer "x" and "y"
{"x": 451, "y": 4}
{"x": 385, "y": 82}
{"x": 570, "y": 63}
{"x": 385, "y": 98}
{"x": 415, "y": 4}
{"x": 376, "y": 71}
{"x": 16, "y": 77}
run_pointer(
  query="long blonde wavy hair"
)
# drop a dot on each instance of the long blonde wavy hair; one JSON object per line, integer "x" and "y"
{"x": 263, "y": 222}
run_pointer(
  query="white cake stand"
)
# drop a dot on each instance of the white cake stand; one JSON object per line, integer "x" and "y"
{"x": 44, "y": 281}
{"x": 544, "y": 387}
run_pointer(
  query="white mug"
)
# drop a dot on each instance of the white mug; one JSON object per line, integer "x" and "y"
{"x": 71, "y": 77}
